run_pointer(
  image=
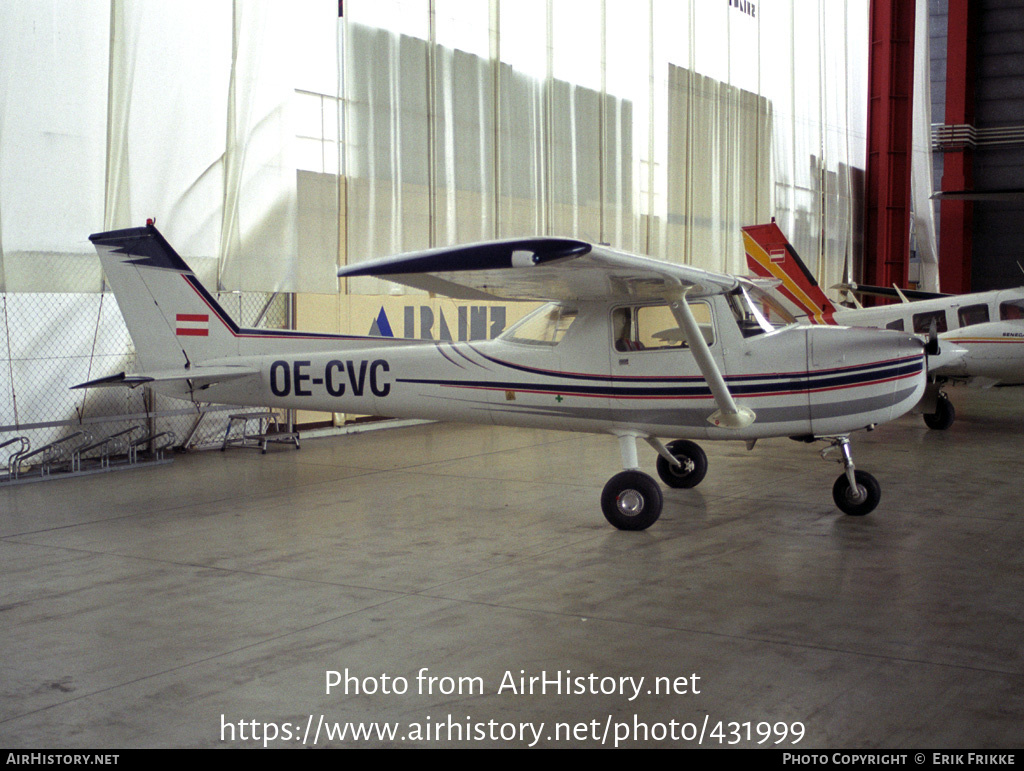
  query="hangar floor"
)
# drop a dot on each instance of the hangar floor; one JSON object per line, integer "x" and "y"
{"x": 205, "y": 603}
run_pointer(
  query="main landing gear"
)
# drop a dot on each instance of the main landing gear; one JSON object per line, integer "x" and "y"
{"x": 690, "y": 467}
{"x": 632, "y": 500}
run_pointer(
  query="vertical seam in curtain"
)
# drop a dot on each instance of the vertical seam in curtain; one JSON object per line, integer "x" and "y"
{"x": 649, "y": 216}
{"x": 602, "y": 140}
{"x": 432, "y": 125}
{"x": 494, "y": 17}
{"x": 229, "y": 211}
{"x": 547, "y": 143}
{"x": 822, "y": 181}
{"x": 10, "y": 362}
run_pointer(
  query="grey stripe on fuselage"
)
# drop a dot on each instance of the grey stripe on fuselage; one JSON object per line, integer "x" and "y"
{"x": 696, "y": 417}
{"x": 870, "y": 404}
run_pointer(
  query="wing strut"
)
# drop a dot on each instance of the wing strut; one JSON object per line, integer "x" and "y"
{"x": 729, "y": 414}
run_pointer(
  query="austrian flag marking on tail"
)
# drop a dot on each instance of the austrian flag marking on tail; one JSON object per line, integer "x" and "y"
{"x": 192, "y": 324}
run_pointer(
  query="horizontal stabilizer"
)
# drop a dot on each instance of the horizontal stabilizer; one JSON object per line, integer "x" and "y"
{"x": 120, "y": 379}
{"x": 200, "y": 377}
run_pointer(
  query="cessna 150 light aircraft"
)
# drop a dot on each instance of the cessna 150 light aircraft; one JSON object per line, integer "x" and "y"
{"x": 629, "y": 346}
{"x": 987, "y": 326}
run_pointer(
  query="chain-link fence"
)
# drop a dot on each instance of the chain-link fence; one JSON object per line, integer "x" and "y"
{"x": 51, "y": 342}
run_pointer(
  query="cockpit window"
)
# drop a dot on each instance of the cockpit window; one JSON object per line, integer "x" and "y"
{"x": 654, "y": 327}
{"x": 757, "y": 312}
{"x": 624, "y": 330}
{"x": 923, "y": 322}
{"x": 973, "y": 314}
{"x": 545, "y": 326}
{"x": 1011, "y": 310}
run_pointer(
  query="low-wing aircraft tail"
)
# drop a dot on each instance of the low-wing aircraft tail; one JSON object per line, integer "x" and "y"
{"x": 770, "y": 255}
{"x": 174, "y": 321}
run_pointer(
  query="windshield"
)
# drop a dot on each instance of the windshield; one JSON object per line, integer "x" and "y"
{"x": 757, "y": 312}
{"x": 545, "y": 326}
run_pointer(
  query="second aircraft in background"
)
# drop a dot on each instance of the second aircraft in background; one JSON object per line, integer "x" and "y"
{"x": 987, "y": 326}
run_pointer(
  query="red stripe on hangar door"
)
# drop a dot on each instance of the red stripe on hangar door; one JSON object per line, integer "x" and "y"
{"x": 192, "y": 324}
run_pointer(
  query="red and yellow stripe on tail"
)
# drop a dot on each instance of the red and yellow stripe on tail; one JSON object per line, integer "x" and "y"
{"x": 770, "y": 255}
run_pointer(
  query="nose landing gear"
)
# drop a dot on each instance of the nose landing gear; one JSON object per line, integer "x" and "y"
{"x": 943, "y": 416}
{"x": 855, "y": 492}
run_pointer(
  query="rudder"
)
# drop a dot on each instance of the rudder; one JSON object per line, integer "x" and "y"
{"x": 770, "y": 255}
{"x": 173, "y": 320}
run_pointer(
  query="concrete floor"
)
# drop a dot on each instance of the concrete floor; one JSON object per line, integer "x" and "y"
{"x": 182, "y": 605}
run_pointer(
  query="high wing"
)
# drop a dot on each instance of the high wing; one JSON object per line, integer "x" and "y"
{"x": 564, "y": 269}
{"x": 541, "y": 269}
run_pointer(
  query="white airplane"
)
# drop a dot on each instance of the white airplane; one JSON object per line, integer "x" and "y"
{"x": 628, "y": 346}
{"x": 987, "y": 326}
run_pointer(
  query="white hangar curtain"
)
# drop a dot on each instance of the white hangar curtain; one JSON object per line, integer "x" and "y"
{"x": 657, "y": 126}
{"x": 182, "y": 110}
{"x": 113, "y": 111}
{"x": 813, "y": 69}
{"x": 53, "y": 84}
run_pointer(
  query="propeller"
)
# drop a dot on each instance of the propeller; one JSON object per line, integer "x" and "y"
{"x": 932, "y": 348}
{"x": 931, "y": 345}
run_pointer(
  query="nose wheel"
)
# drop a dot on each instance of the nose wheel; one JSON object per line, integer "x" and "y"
{"x": 860, "y": 500}
{"x": 943, "y": 416}
{"x": 855, "y": 492}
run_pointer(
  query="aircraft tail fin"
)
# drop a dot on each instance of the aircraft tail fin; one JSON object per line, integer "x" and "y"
{"x": 770, "y": 255}
{"x": 174, "y": 321}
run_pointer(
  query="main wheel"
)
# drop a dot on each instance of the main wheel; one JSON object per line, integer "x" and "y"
{"x": 863, "y": 500}
{"x": 943, "y": 416}
{"x": 631, "y": 501}
{"x": 693, "y": 465}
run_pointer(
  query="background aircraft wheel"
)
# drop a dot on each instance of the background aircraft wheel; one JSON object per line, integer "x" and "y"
{"x": 943, "y": 416}
{"x": 690, "y": 474}
{"x": 869, "y": 493}
{"x": 631, "y": 501}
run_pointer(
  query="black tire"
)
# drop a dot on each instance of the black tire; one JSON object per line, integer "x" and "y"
{"x": 694, "y": 465}
{"x": 870, "y": 490}
{"x": 631, "y": 501}
{"x": 943, "y": 416}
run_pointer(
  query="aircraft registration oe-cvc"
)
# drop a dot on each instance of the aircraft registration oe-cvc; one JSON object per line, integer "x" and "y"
{"x": 987, "y": 327}
{"x": 628, "y": 346}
